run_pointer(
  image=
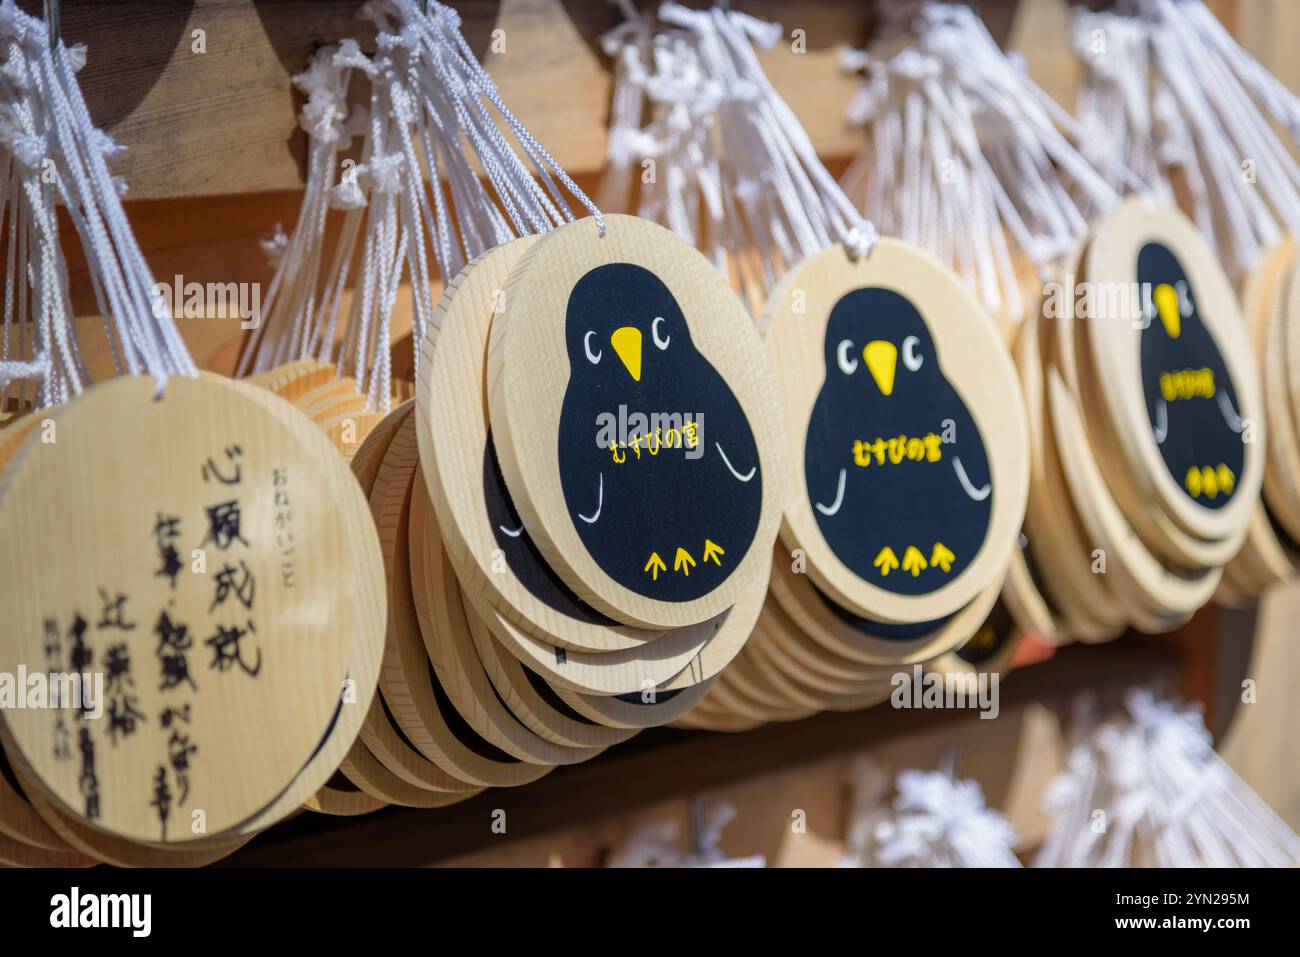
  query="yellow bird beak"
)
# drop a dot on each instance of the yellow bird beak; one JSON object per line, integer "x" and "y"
{"x": 1167, "y": 305}
{"x": 626, "y": 341}
{"x": 882, "y": 361}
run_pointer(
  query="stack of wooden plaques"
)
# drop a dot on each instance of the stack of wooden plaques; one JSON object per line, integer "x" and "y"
{"x": 576, "y": 511}
{"x": 331, "y": 401}
{"x": 1271, "y": 303}
{"x": 194, "y": 626}
{"x": 908, "y": 460}
{"x": 1145, "y": 431}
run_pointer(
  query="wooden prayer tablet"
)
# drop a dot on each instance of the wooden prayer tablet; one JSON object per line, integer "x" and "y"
{"x": 445, "y": 630}
{"x": 635, "y": 420}
{"x": 340, "y": 797}
{"x": 219, "y": 525}
{"x": 906, "y": 435}
{"x": 295, "y": 379}
{"x": 1064, "y": 556}
{"x": 1282, "y": 472}
{"x": 656, "y": 704}
{"x": 375, "y": 780}
{"x": 17, "y": 854}
{"x": 864, "y": 640}
{"x": 1027, "y": 601}
{"x": 491, "y": 550}
{"x": 1132, "y": 573}
{"x": 1176, "y": 380}
{"x": 989, "y": 651}
{"x": 536, "y": 703}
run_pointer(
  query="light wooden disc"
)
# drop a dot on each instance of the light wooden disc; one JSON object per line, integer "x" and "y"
{"x": 1282, "y": 474}
{"x": 1194, "y": 324}
{"x": 533, "y": 701}
{"x": 294, "y": 379}
{"x": 989, "y": 650}
{"x": 604, "y": 673}
{"x": 1028, "y": 602}
{"x": 1157, "y": 529}
{"x": 669, "y": 528}
{"x": 489, "y": 546}
{"x": 262, "y": 684}
{"x": 1132, "y": 569}
{"x": 863, "y": 640}
{"x": 375, "y": 780}
{"x": 796, "y": 644}
{"x": 445, "y": 630}
{"x": 907, "y": 436}
{"x": 340, "y": 797}
{"x": 672, "y": 698}
{"x": 1063, "y": 555}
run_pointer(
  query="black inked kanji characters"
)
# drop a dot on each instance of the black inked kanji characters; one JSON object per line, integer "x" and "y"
{"x": 89, "y": 780}
{"x": 237, "y": 581}
{"x": 210, "y": 469}
{"x": 173, "y": 642}
{"x": 223, "y": 525}
{"x": 123, "y": 715}
{"x": 227, "y": 650}
{"x": 165, "y": 531}
{"x": 179, "y": 749}
{"x": 114, "y": 612}
{"x": 162, "y": 798}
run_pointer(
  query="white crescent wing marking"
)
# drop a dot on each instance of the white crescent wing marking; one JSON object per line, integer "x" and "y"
{"x": 1229, "y": 413}
{"x": 839, "y": 498}
{"x": 976, "y": 494}
{"x": 600, "y": 502}
{"x": 1161, "y": 430}
{"x": 727, "y": 462}
{"x": 513, "y": 533}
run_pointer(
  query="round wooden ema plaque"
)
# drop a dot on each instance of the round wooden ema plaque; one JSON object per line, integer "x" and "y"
{"x": 445, "y": 629}
{"x": 989, "y": 650}
{"x": 1178, "y": 385}
{"x": 491, "y": 550}
{"x": 906, "y": 434}
{"x": 657, "y": 704}
{"x": 635, "y": 420}
{"x": 186, "y": 550}
{"x": 864, "y": 640}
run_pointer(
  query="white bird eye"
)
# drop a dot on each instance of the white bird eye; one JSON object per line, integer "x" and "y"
{"x": 847, "y": 365}
{"x": 911, "y": 358}
{"x": 661, "y": 342}
{"x": 1184, "y": 299}
{"x": 594, "y": 359}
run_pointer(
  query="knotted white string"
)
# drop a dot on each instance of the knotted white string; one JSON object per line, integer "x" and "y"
{"x": 414, "y": 196}
{"x": 988, "y": 162}
{"x": 723, "y": 161}
{"x": 1148, "y": 789}
{"x": 1169, "y": 89}
{"x": 660, "y": 845}
{"x": 933, "y": 821}
{"x": 51, "y": 154}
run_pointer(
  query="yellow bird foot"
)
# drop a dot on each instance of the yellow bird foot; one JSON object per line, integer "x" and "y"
{"x": 941, "y": 557}
{"x": 913, "y": 561}
{"x": 683, "y": 562}
{"x": 1227, "y": 480}
{"x": 1192, "y": 482}
{"x": 886, "y": 560}
{"x": 654, "y": 566}
{"x": 1209, "y": 482}
{"x": 713, "y": 552}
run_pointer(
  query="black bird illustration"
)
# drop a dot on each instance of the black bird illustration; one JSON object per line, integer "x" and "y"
{"x": 895, "y": 465}
{"x": 521, "y": 554}
{"x": 668, "y": 505}
{"x": 1190, "y": 399}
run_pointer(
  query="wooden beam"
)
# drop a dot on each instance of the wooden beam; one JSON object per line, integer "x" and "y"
{"x": 200, "y": 92}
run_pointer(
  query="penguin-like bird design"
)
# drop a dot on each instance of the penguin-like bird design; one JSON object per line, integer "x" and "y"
{"x": 670, "y": 508}
{"x": 894, "y": 463}
{"x": 1191, "y": 403}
